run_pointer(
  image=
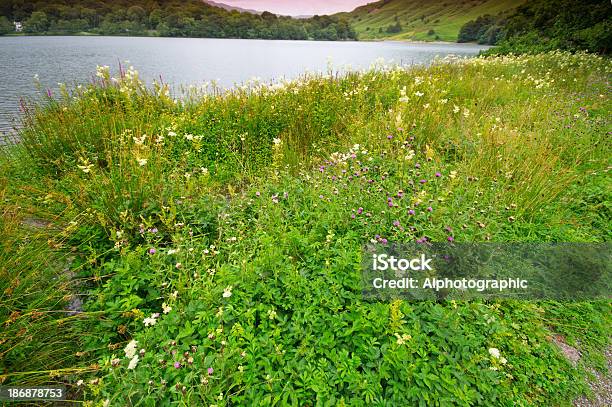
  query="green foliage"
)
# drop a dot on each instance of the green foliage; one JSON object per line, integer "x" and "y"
{"x": 544, "y": 25}
{"x": 170, "y": 18}
{"x": 223, "y": 233}
{"x": 5, "y": 26}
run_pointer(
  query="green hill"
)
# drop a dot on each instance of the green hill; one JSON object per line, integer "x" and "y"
{"x": 429, "y": 20}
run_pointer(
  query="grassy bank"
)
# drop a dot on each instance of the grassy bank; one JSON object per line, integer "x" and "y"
{"x": 215, "y": 242}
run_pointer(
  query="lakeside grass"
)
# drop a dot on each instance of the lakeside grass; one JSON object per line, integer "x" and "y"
{"x": 236, "y": 217}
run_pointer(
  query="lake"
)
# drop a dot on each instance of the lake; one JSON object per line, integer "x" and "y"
{"x": 185, "y": 61}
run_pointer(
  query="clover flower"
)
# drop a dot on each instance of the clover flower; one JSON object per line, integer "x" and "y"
{"x": 177, "y": 365}
{"x": 210, "y": 371}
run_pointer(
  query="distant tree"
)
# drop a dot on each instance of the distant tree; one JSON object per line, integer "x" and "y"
{"x": 394, "y": 28}
{"x": 5, "y": 26}
{"x": 37, "y": 23}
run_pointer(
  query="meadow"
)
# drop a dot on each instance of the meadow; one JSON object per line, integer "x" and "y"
{"x": 206, "y": 250}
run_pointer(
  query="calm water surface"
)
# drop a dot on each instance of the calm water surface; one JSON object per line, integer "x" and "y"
{"x": 186, "y": 61}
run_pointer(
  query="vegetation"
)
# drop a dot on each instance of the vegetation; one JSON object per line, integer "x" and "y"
{"x": 544, "y": 25}
{"x": 215, "y": 240}
{"x": 168, "y": 18}
{"x": 417, "y": 18}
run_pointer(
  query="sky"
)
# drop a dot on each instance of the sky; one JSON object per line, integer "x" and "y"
{"x": 298, "y": 7}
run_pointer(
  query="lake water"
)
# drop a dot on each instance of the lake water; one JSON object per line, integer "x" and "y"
{"x": 185, "y": 61}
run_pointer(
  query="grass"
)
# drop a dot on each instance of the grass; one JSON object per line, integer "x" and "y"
{"x": 417, "y": 18}
{"x": 216, "y": 240}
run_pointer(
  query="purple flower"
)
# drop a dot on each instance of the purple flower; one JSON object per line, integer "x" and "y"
{"x": 383, "y": 241}
{"x": 177, "y": 365}
{"x": 396, "y": 223}
{"x": 448, "y": 229}
{"x": 353, "y": 216}
{"x": 152, "y": 250}
{"x": 390, "y": 137}
{"x": 210, "y": 371}
{"x": 417, "y": 165}
{"x": 154, "y": 230}
{"x": 359, "y": 211}
{"x": 400, "y": 193}
{"x": 321, "y": 196}
{"x": 450, "y": 239}
{"x": 411, "y": 212}
{"x": 377, "y": 237}
{"x": 429, "y": 209}
{"x": 423, "y": 181}
{"x": 438, "y": 175}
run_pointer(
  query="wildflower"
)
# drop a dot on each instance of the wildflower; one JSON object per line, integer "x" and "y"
{"x": 494, "y": 352}
{"x": 453, "y": 174}
{"x": 423, "y": 181}
{"x": 258, "y": 194}
{"x": 396, "y": 223}
{"x": 173, "y": 251}
{"x": 204, "y": 171}
{"x": 152, "y": 251}
{"x": 271, "y": 314}
{"x": 389, "y": 137}
{"x": 177, "y": 365}
{"x": 359, "y": 211}
{"x": 277, "y": 141}
{"x": 133, "y": 363}
{"x": 450, "y": 239}
{"x": 178, "y": 266}
{"x": 115, "y": 362}
{"x": 419, "y": 93}
{"x": 401, "y": 339}
{"x": 429, "y": 209}
{"x": 455, "y": 109}
{"x": 438, "y": 175}
{"x": 411, "y": 212}
{"x": 227, "y": 292}
{"x": 142, "y": 161}
{"x": 210, "y": 371}
{"x": 241, "y": 369}
{"x": 275, "y": 198}
{"x": 130, "y": 349}
{"x": 79, "y": 383}
{"x": 150, "y": 321}
{"x": 140, "y": 140}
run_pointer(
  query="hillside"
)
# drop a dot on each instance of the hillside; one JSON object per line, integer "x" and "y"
{"x": 429, "y": 20}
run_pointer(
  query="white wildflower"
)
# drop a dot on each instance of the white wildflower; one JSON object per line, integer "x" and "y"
{"x": 133, "y": 363}
{"x": 166, "y": 308}
{"x": 142, "y": 161}
{"x": 227, "y": 292}
{"x": 130, "y": 349}
{"x": 494, "y": 352}
{"x": 152, "y": 320}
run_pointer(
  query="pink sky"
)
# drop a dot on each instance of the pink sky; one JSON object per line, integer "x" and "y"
{"x": 298, "y": 7}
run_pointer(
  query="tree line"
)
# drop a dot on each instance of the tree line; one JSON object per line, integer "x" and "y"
{"x": 542, "y": 25}
{"x": 168, "y": 18}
